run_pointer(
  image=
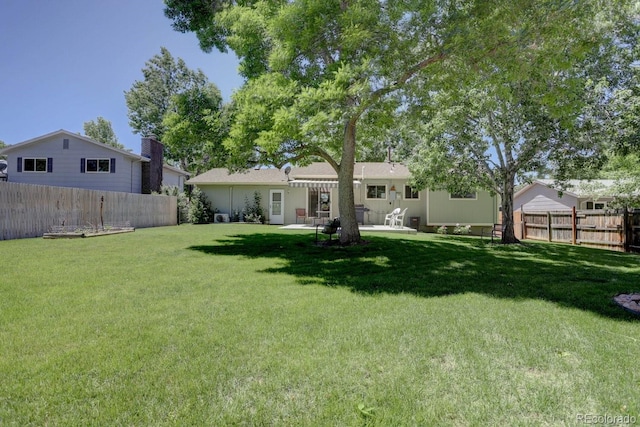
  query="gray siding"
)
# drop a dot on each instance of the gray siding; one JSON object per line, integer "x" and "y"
{"x": 542, "y": 198}
{"x": 66, "y": 169}
{"x": 172, "y": 179}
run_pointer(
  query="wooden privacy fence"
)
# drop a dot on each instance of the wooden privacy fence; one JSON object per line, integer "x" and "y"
{"x": 618, "y": 231}
{"x": 28, "y": 210}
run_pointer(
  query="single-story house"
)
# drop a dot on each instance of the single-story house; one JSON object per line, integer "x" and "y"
{"x": 379, "y": 188}
{"x": 67, "y": 159}
{"x": 542, "y": 195}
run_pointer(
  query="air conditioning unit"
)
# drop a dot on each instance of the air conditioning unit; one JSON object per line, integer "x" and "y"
{"x": 220, "y": 217}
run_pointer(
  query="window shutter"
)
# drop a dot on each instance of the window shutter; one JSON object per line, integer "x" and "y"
{"x": 82, "y": 165}
{"x": 49, "y": 164}
{"x": 19, "y": 164}
{"x": 112, "y": 166}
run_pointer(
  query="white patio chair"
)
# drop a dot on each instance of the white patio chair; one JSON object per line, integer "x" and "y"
{"x": 389, "y": 218}
{"x": 398, "y": 220}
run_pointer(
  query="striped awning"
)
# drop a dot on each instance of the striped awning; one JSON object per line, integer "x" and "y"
{"x": 310, "y": 183}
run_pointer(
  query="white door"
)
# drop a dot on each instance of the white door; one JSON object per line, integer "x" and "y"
{"x": 276, "y": 207}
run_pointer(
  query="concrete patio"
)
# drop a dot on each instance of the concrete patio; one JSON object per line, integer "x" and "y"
{"x": 363, "y": 228}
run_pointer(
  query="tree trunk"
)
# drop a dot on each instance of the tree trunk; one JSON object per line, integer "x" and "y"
{"x": 508, "y": 232}
{"x": 350, "y": 233}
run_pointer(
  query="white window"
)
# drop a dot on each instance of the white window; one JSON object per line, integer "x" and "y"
{"x": 596, "y": 205}
{"x": 376, "y": 191}
{"x": 34, "y": 164}
{"x": 410, "y": 193}
{"x": 463, "y": 196}
{"x": 98, "y": 166}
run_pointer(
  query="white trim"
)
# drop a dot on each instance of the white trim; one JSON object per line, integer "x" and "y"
{"x": 404, "y": 194}
{"x": 464, "y": 199}
{"x": 35, "y": 159}
{"x": 62, "y": 132}
{"x": 276, "y": 219}
{"x": 98, "y": 159}
{"x": 366, "y": 192}
{"x": 311, "y": 183}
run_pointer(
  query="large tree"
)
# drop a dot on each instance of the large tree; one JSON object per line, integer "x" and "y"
{"x": 196, "y": 124}
{"x": 101, "y": 130}
{"x": 323, "y": 74}
{"x": 149, "y": 99}
{"x": 544, "y": 109}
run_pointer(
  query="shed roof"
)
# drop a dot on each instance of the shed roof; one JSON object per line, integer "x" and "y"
{"x": 574, "y": 187}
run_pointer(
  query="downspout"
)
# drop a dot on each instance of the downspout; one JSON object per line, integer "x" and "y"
{"x": 427, "y": 201}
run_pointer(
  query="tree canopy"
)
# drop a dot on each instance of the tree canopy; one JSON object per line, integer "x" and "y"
{"x": 101, "y": 130}
{"x": 326, "y": 79}
{"x": 196, "y": 123}
{"x": 542, "y": 109}
{"x": 149, "y": 99}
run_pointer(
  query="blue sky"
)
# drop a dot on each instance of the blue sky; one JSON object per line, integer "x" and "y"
{"x": 66, "y": 62}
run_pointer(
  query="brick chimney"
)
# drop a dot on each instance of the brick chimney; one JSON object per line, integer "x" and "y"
{"x": 152, "y": 171}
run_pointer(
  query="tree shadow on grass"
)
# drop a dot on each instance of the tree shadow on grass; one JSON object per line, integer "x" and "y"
{"x": 570, "y": 276}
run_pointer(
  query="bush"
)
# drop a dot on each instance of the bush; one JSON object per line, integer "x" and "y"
{"x": 462, "y": 229}
{"x": 200, "y": 211}
{"x": 183, "y": 202}
{"x": 442, "y": 229}
{"x": 253, "y": 212}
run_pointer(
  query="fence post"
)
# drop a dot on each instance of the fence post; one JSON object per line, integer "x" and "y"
{"x": 549, "y": 226}
{"x": 574, "y": 225}
{"x": 523, "y": 227}
{"x": 626, "y": 227}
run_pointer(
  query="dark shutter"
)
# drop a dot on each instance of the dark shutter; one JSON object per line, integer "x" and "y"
{"x": 49, "y": 164}
{"x": 82, "y": 165}
{"x": 112, "y": 166}
{"x": 19, "y": 164}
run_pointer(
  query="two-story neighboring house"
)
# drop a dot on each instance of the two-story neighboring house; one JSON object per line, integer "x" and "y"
{"x": 66, "y": 159}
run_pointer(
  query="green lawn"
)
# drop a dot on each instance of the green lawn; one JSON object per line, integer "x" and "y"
{"x": 252, "y": 325}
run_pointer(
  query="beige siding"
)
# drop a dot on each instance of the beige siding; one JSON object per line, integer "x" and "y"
{"x": 446, "y": 211}
{"x": 379, "y": 208}
{"x": 228, "y": 199}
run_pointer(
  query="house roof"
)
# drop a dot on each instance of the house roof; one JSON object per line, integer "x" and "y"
{"x": 63, "y": 132}
{"x": 361, "y": 170}
{"x": 176, "y": 170}
{"x": 314, "y": 171}
{"x": 251, "y": 176}
{"x": 574, "y": 187}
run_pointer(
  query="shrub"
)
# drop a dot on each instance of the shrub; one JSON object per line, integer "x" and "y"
{"x": 183, "y": 202}
{"x": 442, "y": 229}
{"x": 462, "y": 229}
{"x": 200, "y": 211}
{"x": 253, "y": 212}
